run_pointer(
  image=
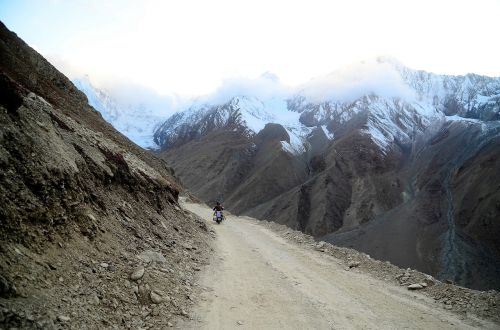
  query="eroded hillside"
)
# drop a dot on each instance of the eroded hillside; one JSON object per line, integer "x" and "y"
{"x": 92, "y": 234}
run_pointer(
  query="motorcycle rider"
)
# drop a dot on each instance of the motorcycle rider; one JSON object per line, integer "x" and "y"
{"x": 218, "y": 209}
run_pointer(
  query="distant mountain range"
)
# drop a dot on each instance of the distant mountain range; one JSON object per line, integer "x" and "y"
{"x": 416, "y": 99}
{"x": 399, "y": 163}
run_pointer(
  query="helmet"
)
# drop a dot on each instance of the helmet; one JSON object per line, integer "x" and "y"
{"x": 218, "y": 203}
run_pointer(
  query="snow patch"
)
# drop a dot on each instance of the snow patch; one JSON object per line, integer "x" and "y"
{"x": 458, "y": 118}
{"x": 287, "y": 147}
{"x": 329, "y": 135}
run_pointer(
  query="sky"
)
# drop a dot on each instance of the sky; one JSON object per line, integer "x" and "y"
{"x": 191, "y": 48}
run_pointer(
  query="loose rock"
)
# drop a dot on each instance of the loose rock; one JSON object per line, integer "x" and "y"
{"x": 63, "y": 318}
{"x": 320, "y": 246}
{"x": 416, "y": 286}
{"x": 137, "y": 274}
{"x": 353, "y": 264}
{"x": 156, "y": 297}
{"x": 152, "y": 256}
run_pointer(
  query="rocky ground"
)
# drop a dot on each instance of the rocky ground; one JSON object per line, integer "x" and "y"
{"x": 109, "y": 282}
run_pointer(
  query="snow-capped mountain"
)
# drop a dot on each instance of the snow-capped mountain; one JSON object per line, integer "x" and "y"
{"x": 135, "y": 121}
{"x": 398, "y": 103}
{"x": 398, "y": 163}
{"x": 247, "y": 113}
{"x": 408, "y": 104}
{"x": 469, "y": 96}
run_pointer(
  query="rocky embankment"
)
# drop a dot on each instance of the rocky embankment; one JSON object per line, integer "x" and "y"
{"x": 92, "y": 235}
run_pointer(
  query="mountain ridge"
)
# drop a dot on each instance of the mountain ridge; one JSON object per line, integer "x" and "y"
{"x": 435, "y": 96}
{"x": 468, "y": 96}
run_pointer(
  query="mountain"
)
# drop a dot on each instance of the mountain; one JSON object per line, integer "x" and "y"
{"x": 89, "y": 220}
{"x": 135, "y": 121}
{"x": 395, "y": 162}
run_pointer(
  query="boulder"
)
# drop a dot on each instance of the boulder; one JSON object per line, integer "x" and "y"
{"x": 137, "y": 273}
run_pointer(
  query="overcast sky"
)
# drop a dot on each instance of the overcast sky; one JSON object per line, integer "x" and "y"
{"x": 189, "y": 47}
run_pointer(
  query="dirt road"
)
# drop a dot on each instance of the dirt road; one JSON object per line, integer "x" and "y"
{"x": 258, "y": 280}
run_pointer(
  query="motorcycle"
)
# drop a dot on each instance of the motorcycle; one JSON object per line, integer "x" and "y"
{"x": 218, "y": 217}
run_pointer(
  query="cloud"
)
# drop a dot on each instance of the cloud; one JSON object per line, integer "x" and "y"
{"x": 131, "y": 95}
{"x": 63, "y": 65}
{"x": 128, "y": 95}
{"x": 264, "y": 87}
{"x": 377, "y": 76}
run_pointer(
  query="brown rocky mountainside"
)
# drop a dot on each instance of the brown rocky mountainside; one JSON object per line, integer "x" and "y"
{"x": 91, "y": 231}
{"x": 445, "y": 223}
{"x": 430, "y": 201}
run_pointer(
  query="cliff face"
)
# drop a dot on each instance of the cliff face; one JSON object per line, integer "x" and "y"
{"x": 82, "y": 207}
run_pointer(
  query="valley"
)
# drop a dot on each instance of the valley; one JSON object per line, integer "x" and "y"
{"x": 406, "y": 175}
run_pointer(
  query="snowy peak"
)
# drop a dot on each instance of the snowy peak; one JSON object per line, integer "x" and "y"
{"x": 385, "y": 118}
{"x": 394, "y": 102}
{"x": 469, "y": 96}
{"x": 135, "y": 121}
{"x": 246, "y": 113}
{"x": 397, "y": 121}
